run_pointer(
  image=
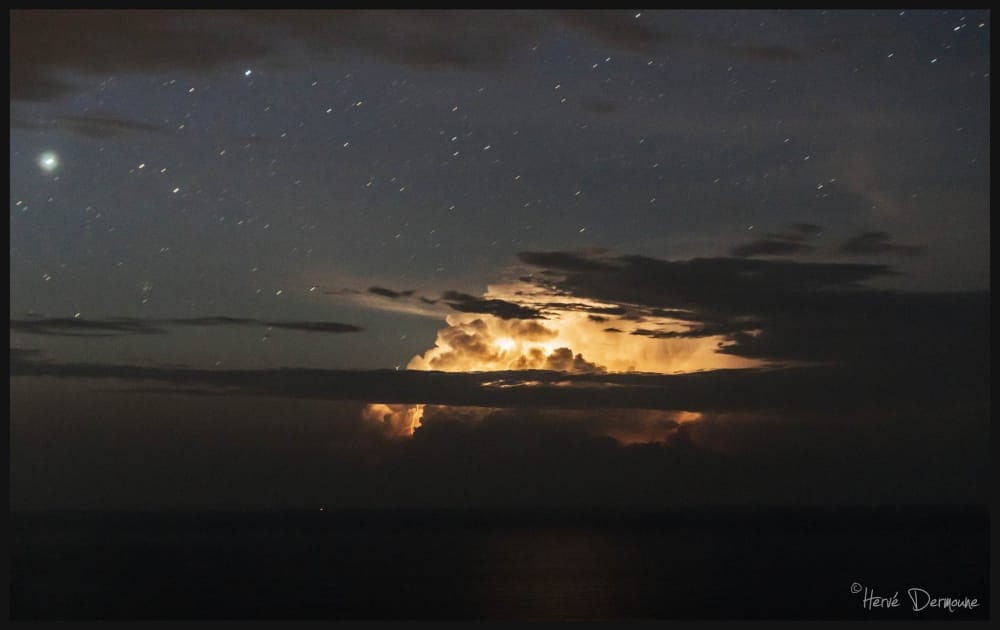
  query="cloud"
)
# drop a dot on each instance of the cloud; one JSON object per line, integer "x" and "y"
{"x": 51, "y": 49}
{"x": 101, "y": 125}
{"x": 392, "y": 300}
{"x": 563, "y": 261}
{"x": 625, "y": 426}
{"x": 786, "y": 243}
{"x": 20, "y": 354}
{"x": 433, "y": 39}
{"x": 837, "y": 349}
{"x": 703, "y": 313}
{"x": 280, "y": 452}
{"x": 697, "y": 314}
{"x": 563, "y": 360}
{"x": 48, "y": 45}
{"x": 770, "y": 246}
{"x": 389, "y": 293}
{"x": 806, "y": 229}
{"x": 75, "y": 327}
{"x": 783, "y": 310}
{"x": 875, "y": 243}
{"x": 219, "y": 320}
{"x": 617, "y": 28}
{"x": 118, "y": 326}
{"x": 456, "y": 300}
{"x": 485, "y": 342}
{"x": 691, "y": 284}
{"x": 320, "y": 327}
{"x": 800, "y": 389}
{"x": 505, "y": 310}
{"x": 882, "y": 397}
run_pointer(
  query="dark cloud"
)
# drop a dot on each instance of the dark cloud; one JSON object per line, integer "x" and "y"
{"x": 799, "y": 436}
{"x": 389, "y": 293}
{"x": 586, "y": 308}
{"x": 103, "y": 125}
{"x": 808, "y": 229}
{"x": 693, "y": 332}
{"x": 435, "y": 39}
{"x": 786, "y": 243}
{"x": 690, "y": 284}
{"x": 875, "y": 243}
{"x": 501, "y": 308}
{"x": 219, "y": 320}
{"x": 623, "y": 30}
{"x": 831, "y": 388}
{"x": 49, "y": 46}
{"x": 46, "y": 45}
{"x": 563, "y": 261}
{"x": 79, "y": 327}
{"x": 20, "y": 354}
{"x": 321, "y": 327}
{"x": 617, "y": 28}
{"x": 785, "y": 310}
{"x": 769, "y": 246}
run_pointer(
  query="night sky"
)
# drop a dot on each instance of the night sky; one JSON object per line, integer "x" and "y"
{"x": 302, "y": 259}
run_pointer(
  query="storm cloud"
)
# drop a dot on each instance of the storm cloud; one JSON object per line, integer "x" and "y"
{"x": 786, "y": 310}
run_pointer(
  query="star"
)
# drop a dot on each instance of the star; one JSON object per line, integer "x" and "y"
{"x": 48, "y": 161}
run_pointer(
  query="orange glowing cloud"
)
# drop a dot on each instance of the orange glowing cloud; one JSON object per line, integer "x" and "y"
{"x": 564, "y": 337}
{"x": 568, "y": 339}
{"x": 394, "y": 420}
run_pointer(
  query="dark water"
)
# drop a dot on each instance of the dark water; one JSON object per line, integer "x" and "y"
{"x": 730, "y": 564}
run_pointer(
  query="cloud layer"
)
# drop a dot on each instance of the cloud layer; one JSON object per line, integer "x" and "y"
{"x": 874, "y": 397}
{"x": 117, "y": 326}
{"x": 46, "y": 67}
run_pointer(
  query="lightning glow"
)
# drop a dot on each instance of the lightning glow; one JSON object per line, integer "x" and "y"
{"x": 570, "y": 338}
{"x": 571, "y": 335}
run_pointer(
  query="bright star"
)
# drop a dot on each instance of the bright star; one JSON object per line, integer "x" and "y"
{"x": 48, "y": 161}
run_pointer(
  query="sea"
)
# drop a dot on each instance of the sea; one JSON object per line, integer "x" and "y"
{"x": 525, "y": 564}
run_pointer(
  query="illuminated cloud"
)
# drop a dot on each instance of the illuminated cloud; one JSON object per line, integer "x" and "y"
{"x": 566, "y": 341}
{"x": 393, "y": 420}
{"x": 570, "y": 338}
